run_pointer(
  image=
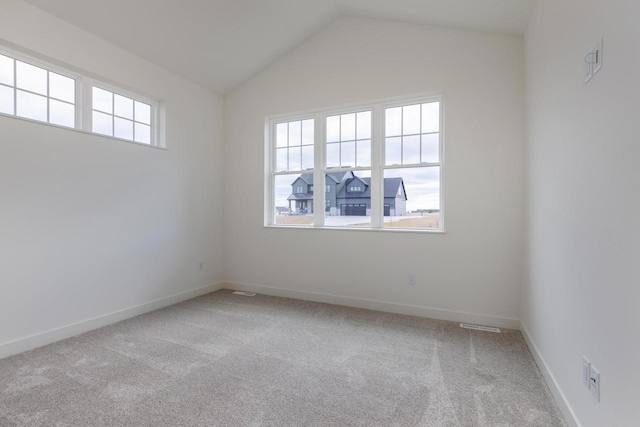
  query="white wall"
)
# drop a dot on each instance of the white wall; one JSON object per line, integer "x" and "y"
{"x": 476, "y": 266}
{"x": 581, "y": 288}
{"x": 90, "y": 225}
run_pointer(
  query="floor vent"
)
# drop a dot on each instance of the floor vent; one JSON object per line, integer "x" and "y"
{"x": 244, "y": 294}
{"x": 479, "y": 328}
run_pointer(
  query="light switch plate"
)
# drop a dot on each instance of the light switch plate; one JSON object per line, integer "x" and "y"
{"x": 597, "y": 65}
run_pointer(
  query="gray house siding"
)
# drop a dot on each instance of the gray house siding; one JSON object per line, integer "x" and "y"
{"x": 340, "y": 200}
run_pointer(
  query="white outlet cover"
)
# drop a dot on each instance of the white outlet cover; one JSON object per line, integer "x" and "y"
{"x": 598, "y": 57}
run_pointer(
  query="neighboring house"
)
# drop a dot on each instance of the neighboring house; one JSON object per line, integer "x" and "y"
{"x": 282, "y": 210}
{"x": 347, "y": 194}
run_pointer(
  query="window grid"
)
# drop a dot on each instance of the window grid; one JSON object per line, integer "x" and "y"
{"x": 342, "y": 140}
{"x": 378, "y": 171}
{"x": 16, "y": 89}
{"x": 35, "y": 90}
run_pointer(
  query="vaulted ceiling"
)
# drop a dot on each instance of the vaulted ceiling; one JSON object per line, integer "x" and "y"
{"x": 221, "y": 43}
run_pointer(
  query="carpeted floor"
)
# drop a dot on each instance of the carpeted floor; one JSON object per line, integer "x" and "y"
{"x": 226, "y": 360}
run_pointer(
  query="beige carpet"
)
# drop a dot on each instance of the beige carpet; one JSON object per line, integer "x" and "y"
{"x": 226, "y": 360}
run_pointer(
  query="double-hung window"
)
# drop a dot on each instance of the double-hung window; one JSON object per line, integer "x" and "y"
{"x": 36, "y": 90}
{"x": 380, "y": 165}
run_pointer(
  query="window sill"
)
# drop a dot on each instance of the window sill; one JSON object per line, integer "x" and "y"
{"x": 361, "y": 229}
{"x": 86, "y": 132}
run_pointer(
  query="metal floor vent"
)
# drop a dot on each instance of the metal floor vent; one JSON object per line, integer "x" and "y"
{"x": 479, "y": 328}
{"x": 244, "y": 294}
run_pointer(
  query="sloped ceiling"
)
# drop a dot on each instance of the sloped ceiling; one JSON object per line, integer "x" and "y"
{"x": 221, "y": 43}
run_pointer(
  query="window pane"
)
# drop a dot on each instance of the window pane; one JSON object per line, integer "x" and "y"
{"x": 411, "y": 149}
{"x": 411, "y": 119}
{"x": 31, "y": 78}
{"x": 307, "y": 132}
{"x": 346, "y": 208}
{"x": 102, "y": 100}
{"x": 348, "y": 154}
{"x": 6, "y": 70}
{"x": 123, "y": 128}
{"x": 333, "y": 155}
{"x": 31, "y": 106}
{"x": 364, "y": 153}
{"x": 412, "y": 197}
{"x": 143, "y": 112}
{"x": 293, "y": 207}
{"x": 62, "y": 87}
{"x": 393, "y": 151}
{"x": 295, "y": 130}
{"x": 393, "y": 121}
{"x": 123, "y": 106}
{"x": 307, "y": 157}
{"x": 364, "y": 125}
{"x": 348, "y": 127}
{"x": 143, "y": 133}
{"x": 333, "y": 129}
{"x": 431, "y": 117}
{"x": 431, "y": 148}
{"x": 102, "y": 123}
{"x": 62, "y": 113}
{"x": 294, "y": 158}
{"x": 6, "y": 100}
{"x": 282, "y": 134}
{"x": 281, "y": 161}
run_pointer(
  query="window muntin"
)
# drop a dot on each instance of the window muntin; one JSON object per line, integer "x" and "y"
{"x": 34, "y": 90}
{"x": 394, "y": 183}
{"x": 36, "y": 93}
{"x": 293, "y": 180}
{"x": 412, "y": 166}
{"x": 120, "y": 116}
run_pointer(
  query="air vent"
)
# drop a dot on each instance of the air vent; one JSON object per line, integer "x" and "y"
{"x": 244, "y": 294}
{"x": 479, "y": 328}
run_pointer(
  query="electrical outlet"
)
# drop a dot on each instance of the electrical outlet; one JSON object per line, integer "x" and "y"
{"x": 595, "y": 383}
{"x": 411, "y": 279}
{"x": 586, "y": 372}
{"x": 200, "y": 266}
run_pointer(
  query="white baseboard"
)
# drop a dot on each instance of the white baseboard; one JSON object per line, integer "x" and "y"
{"x": 391, "y": 307}
{"x": 561, "y": 400}
{"x": 43, "y": 338}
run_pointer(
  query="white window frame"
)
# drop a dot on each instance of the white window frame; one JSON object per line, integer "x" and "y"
{"x": 83, "y": 97}
{"x": 377, "y": 162}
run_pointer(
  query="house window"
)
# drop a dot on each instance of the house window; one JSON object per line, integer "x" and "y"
{"x": 412, "y": 163}
{"x": 291, "y": 169}
{"x": 120, "y": 116}
{"x": 384, "y": 160}
{"x": 36, "y": 93}
{"x": 35, "y": 90}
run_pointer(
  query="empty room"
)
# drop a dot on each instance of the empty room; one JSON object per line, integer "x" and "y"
{"x": 319, "y": 213}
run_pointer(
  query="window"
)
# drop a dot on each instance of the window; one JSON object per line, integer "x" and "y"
{"x": 36, "y": 93}
{"x": 32, "y": 89}
{"x": 292, "y": 171}
{"x": 384, "y": 161}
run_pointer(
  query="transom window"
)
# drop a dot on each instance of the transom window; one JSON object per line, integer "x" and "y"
{"x": 384, "y": 161}
{"x": 35, "y": 90}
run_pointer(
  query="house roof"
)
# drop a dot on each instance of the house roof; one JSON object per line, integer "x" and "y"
{"x": 391, "y": 186}
{"x": 300, "y": 196}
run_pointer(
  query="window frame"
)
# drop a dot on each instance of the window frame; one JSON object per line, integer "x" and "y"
{"x": 377, "y": 167}
{"x": 83, "y": 102}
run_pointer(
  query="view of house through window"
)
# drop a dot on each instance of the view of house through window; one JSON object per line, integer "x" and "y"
{"x": 405, "y": 190}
